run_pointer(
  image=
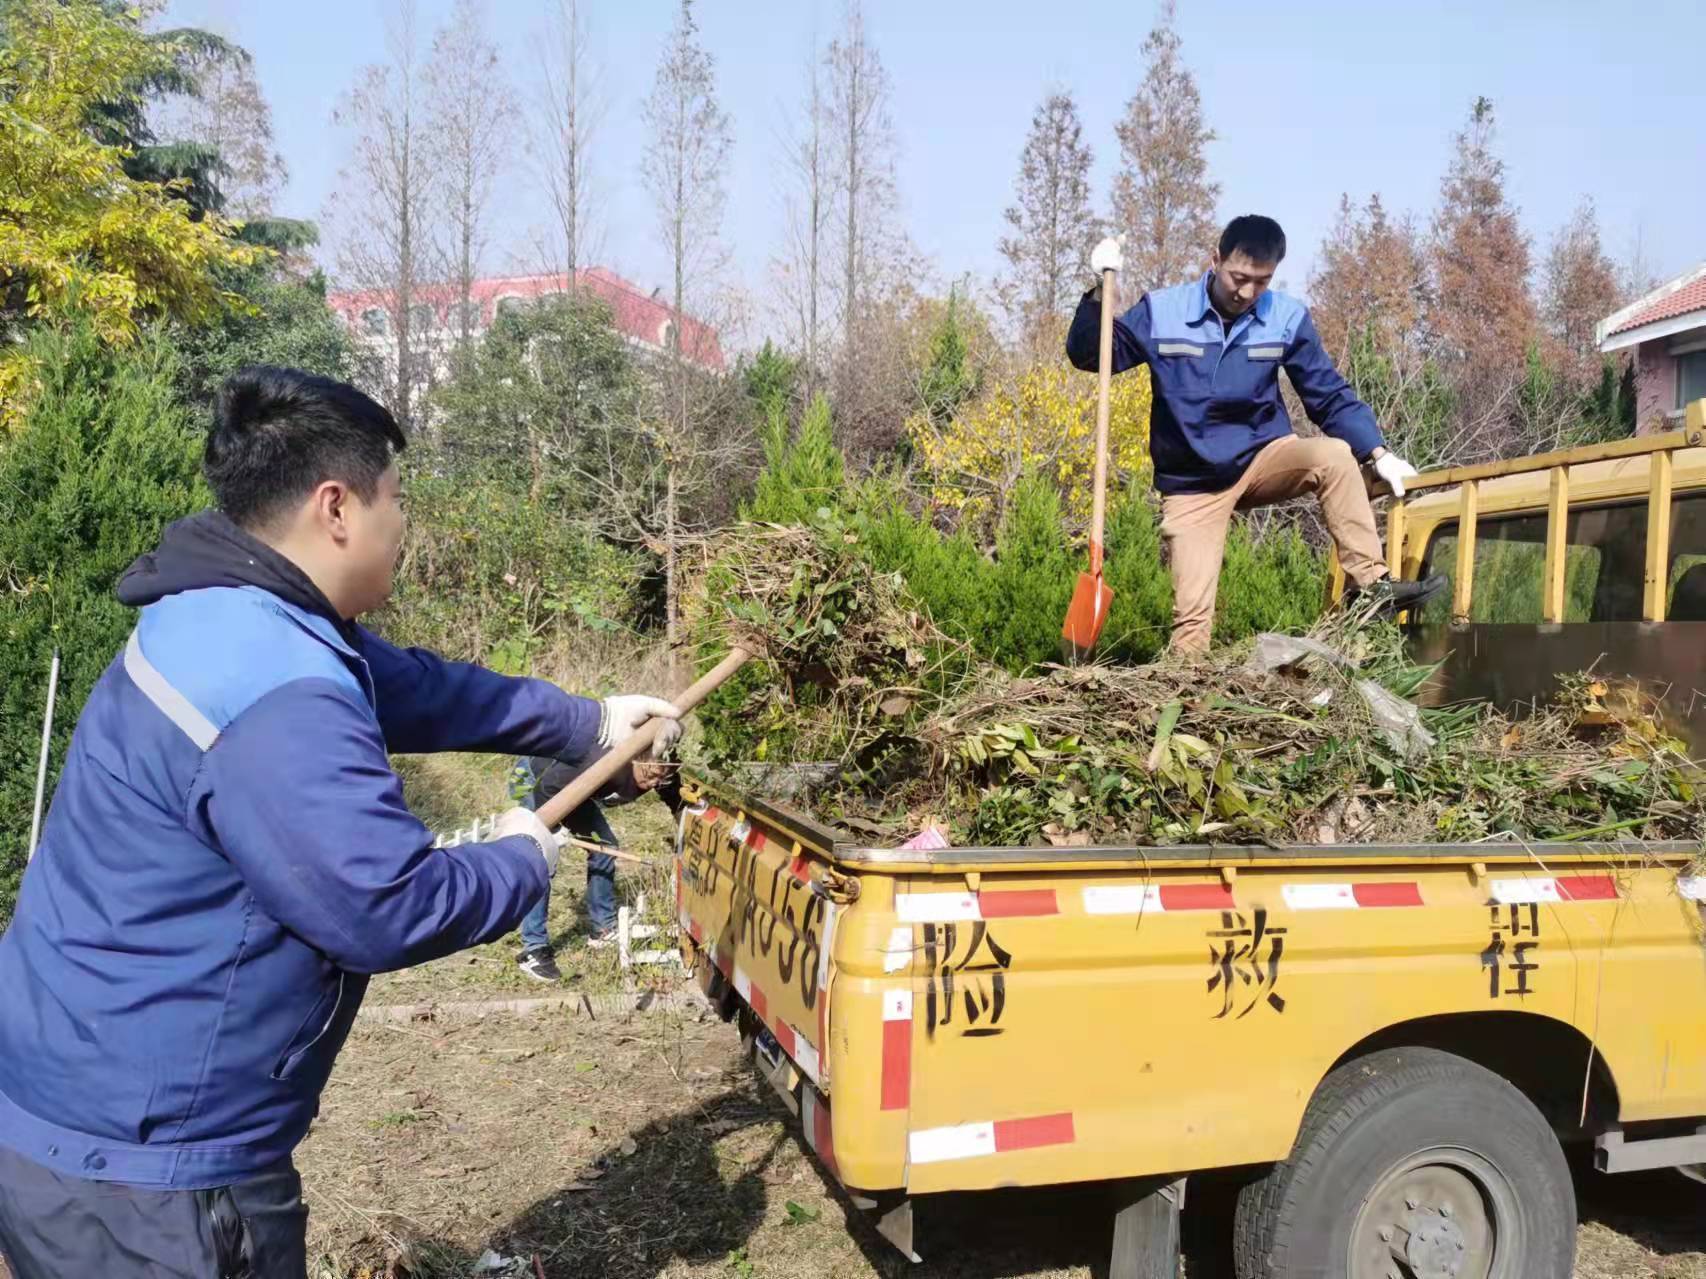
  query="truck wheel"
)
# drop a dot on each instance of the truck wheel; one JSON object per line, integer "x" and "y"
{"x": 1413, "y": 1164}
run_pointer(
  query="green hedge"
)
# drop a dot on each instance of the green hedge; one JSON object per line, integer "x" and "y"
{"x": 106, "y": 457}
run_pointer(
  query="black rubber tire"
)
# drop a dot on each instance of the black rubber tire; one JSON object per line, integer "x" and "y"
{"x": 1371, "y": 1114}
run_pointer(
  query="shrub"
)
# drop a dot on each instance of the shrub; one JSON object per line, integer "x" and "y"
{"x": 103, "y": 459}
{"x": 489, "y": 575}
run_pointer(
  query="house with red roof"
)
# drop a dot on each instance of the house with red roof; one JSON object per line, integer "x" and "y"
{"x": 1666, "y": 330}
{"x": 645, "y": 319}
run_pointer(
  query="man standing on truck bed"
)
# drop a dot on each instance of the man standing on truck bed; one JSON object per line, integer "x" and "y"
{"x": 1219, "y": 436}
{"x": 228, "y": 856}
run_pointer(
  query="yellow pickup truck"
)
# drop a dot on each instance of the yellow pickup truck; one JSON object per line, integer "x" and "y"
{"x": 1398, "y": 1042}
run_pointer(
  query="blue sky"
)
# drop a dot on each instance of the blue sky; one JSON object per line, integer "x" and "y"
{"x": 1309, "y": 100}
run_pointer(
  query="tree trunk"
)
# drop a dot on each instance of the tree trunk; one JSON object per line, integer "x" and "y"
{"x": 671, "y": 600}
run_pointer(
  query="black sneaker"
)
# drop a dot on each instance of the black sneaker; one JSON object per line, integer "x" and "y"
{"x": 539, "y": 963}
{"x": 1391, "y": 596}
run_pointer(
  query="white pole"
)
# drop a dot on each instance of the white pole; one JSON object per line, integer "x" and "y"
{"x": 41, "y": 764}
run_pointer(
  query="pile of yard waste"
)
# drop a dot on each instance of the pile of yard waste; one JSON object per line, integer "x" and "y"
{"x": 860, "y": 709}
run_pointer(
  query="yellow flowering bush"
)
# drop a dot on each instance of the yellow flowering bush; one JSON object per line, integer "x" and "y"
{"x": 1043, "y": 420}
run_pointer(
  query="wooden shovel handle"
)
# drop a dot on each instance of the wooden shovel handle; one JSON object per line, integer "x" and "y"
{"x": 1104, "y": 376}
{"x": 599, "y": 776}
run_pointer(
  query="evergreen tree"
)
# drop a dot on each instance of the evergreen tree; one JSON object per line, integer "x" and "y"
{"x": 1052, "y": 224}
{"x": 1163, "y": 199}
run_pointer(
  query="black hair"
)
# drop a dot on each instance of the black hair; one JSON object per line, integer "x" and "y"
{"x": 278, "y": 433}
{"x": 1260, "y": 239}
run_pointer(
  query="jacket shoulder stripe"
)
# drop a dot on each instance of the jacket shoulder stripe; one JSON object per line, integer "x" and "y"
{"x": 168, "y": 700}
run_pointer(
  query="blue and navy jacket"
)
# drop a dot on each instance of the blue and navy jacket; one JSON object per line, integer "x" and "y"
{"x": 1216, "y": 386}
{"x": 228, "y": 858}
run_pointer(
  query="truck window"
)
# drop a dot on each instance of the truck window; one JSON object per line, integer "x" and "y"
{"x": 1605, "y": 565}
{"x": 1687, "y": 602}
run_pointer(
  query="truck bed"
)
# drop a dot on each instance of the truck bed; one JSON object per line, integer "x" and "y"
{"x": 967, "y": 1018}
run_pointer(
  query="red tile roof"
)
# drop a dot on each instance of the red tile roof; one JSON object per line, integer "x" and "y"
{"x": 640, "y": 316}
{"x": 1685, "y": 294}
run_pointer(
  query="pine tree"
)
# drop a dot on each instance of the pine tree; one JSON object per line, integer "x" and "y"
{"x": 1483, "y": 313}
{"x": 1581, "y": 288}
{"x": 1163, "y": 200}
{"x": 1052, "y": 223}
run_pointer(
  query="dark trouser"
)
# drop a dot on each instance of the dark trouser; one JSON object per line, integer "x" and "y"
{"x": 55, "y": 1227}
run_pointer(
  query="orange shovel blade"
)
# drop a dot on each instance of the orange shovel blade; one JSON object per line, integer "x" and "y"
{"x": 1085, "y": 617}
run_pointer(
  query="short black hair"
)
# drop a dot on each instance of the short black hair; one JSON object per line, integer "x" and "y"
{"x": 278, "y": 433}
{"x": 1261, "y": 239}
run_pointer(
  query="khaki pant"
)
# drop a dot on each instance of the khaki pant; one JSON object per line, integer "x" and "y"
{"x": 1195, "y": 524}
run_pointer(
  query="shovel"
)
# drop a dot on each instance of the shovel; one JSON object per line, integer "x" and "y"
{"x": 598, "y": 778}
{"x": 1092, "y": 598}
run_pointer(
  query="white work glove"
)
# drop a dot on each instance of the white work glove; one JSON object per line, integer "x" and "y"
{"x": 1109, "y": 255}
{"x": 620, "y": 716}
{"x": 1394, "y": 470}
{"x": 521, "y": 821}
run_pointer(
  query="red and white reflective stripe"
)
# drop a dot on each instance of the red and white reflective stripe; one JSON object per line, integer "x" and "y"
{"x": 1144, "y": 899}
{"x": 994, "y": 903}
{"x": 695, "y": 932}
{"x": 897, "y": 1049}
{"x": 897, "y": 955}
{"x": 1371, "y": 895}
{"x": 754, "y": 995}
{"x": 800, "y": 1049}
{"x": 800, "y": 868}
{"x": 740, "y": 830}
{"x": 1563, "y": 888}
{"x": 820, "y": 1134}
{"x": 824, "y": 947}
{"x": 969, "y": 1141}
{"x": 710, "y": 814}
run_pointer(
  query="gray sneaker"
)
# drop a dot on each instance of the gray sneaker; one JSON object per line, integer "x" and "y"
{"x": 539, "y": 963}
{"x": 602, "y": 941}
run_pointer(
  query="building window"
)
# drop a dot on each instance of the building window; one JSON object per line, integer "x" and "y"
{"x": 373, "y": 321}
{"x": 1690, "y": 378}
{"x": 422, "y": 318}
{"x": 470, "y": 311}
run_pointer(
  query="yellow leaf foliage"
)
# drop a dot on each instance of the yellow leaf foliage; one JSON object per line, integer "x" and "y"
{"x": 76, "y": 232}
{"x": 1041, "y": 419}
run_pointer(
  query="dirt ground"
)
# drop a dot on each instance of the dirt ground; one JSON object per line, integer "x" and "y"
{"x": 642, "y": 1147}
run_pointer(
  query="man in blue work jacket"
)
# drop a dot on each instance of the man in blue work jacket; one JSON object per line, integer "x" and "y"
{"x": 1219, "y": 436}
{"x": 228, "y": 856}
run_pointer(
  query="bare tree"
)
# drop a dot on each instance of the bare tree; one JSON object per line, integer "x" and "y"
{"x": 572, "y": 110}
{"x": 385, "y": 212}
{"x": 686, "y": 156}
{"x": 228, "y": 113}
{"x": 807, "y": 209}
{"x": 1163, "y": 200}
{"x": 1052, "y": 223}
{"x": 862, "y": 144}
{"x": 472, "y": 118}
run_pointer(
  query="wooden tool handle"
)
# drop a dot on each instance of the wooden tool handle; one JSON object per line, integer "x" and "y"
{"x": 1104, "y": 376}
{"x": 599, "y": 776}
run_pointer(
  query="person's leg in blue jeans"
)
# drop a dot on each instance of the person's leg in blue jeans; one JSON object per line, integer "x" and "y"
{"x": 534, "y": 933}
{"x": 588, "y": 822}
{"x": 536, "y": 955}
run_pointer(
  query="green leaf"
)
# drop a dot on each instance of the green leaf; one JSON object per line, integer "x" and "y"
{"x": 800, "y": 1215}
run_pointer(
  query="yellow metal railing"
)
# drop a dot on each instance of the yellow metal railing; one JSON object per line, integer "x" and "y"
{"x": 1657, "y": 448}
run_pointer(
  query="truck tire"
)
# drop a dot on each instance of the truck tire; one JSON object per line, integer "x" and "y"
{"x": 1415, "y": 1163}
